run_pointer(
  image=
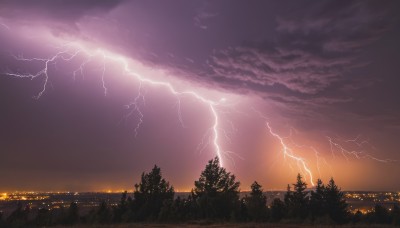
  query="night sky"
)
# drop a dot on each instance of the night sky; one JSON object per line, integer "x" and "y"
{"x": 94, "y": 92}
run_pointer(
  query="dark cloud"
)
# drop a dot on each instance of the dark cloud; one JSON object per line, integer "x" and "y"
{"x": 54, "y": 9}
{"x": 298, "y": 70}
{"x": 314, "y": 48}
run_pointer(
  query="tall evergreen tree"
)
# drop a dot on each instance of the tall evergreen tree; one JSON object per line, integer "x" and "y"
{"x": 150, "y": 194}
{"x": 288, "y": 200}
{"x": 256, "y": 203}
{"x": 300, "y": 198}
{"x": 317, "y": 201}
{"x": 336, "y": 204}
{"x": 216, "y": 193}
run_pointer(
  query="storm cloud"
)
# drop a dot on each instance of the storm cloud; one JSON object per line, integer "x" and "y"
{"x": 311, "y": 69}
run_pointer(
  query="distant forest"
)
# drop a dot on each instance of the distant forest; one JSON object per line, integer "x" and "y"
{"x": 214, "y": 199}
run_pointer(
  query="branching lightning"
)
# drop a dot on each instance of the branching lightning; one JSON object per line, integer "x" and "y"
{"x": 68, "y": 55}
{"x": 288, "y": 152}
{"x": 359, "y": 153}
{"x": 318, "y": 158}
{"x": 43, "y": 72}
{"x": 135, "y": 106}
{"x": 335, "y": 145}
{"x": 212, "y": 136}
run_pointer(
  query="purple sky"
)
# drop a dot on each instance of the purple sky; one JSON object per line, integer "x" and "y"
{"x": 322, "y": 74}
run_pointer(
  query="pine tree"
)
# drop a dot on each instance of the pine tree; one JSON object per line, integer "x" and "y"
{"x": 317, "y": 201}
{"x": 150, "y": 194}
{"x": 300, "y": 199}
{"x": 288, "y": 200}
{"x": 256, "y": 203}
{"x": 336, "y": 204}
{"x": 216, "y": 193}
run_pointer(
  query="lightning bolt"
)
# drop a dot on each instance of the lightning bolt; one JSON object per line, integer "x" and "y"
{"x": 43, "y": 72}
{"x": 288, "y": 152}
{"x": 317, "y": 154}
{"x": 318, "y": 158}
{"x": 68, "y": 55}
{"x": 135, "y": 105}
{"x": 208, "y": 138}
{"x": 360, "y": 142}
{"x": 103, "y": 72}
{"x": 359, "y": 153}
{"x": 335, "y": 145}
{"x": 213, "y": 135}
{"x": 286, "y": 149}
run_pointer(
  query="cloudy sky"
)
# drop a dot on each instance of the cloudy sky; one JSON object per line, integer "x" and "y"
{"x": 92, "y": 93}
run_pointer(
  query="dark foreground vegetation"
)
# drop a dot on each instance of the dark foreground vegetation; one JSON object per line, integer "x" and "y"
{"x": 214, "y": 199}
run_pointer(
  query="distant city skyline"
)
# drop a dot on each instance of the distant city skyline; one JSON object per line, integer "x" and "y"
{"x": 93, "y": 93}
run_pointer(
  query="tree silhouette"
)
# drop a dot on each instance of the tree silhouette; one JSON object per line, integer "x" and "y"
{"x": 336, "y": 204}
{"x": 317, "y": 201}
{"x": 150, "y": 194}
{"x": 216, "y": 198}
{"x": 278, "y": 210}
{"x": 173, "y": 211}
{"x": 256, "y": 203}
{"x": 216, "y": 193}
{"x": 300, "y": 198}
{"x": 121, "y": 208}
{"x": 288, "y": 200}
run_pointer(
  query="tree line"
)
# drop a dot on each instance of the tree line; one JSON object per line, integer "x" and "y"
{"x": 214, "y": 198}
